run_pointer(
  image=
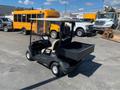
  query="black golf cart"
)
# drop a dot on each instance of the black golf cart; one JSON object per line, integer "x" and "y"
{"x": 62, "y": 55}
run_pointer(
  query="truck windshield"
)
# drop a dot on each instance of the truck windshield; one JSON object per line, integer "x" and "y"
{"x": 106, "y": 15}
{"x": 5, "y": 19}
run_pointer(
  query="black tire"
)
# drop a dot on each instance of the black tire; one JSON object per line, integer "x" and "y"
{"x": 5, "y": 29}
{"x": 56, "y": 69}
{"x": 114, "y": 26}
{"x": 29, "y": 56}
{"x": 80, "y": 32}
{"x": 54, "y": 34}
{"x": 25, "y": 32}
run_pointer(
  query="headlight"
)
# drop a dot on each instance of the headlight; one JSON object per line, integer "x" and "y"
{"x": 87, "y": 27}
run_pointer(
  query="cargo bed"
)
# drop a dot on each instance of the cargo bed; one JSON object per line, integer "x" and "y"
{"x": 75, "y": 51}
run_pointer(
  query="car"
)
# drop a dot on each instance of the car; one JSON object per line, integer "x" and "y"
{"x": 61, "y": 55}
{"x": 5, "y": 24}
{"x": 82, "y": 27}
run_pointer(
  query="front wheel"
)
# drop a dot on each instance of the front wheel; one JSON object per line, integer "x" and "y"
{"x": 5, "y": 29}
{"x": 56, "y": 69}
{"x": 29, "y": 56}
{"x": 79, "y": 32}
{"x": 54, "y": 34}
{"x": 114, "y": 26}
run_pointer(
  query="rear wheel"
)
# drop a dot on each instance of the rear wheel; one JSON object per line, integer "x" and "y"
{"x": 80, "y": 32}
{"x": 25, "y": 32}
{"x": 54, "y": 34}
{"x": 56, "y": 69}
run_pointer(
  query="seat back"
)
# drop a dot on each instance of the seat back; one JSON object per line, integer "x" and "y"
{"x": 66, "y": 41}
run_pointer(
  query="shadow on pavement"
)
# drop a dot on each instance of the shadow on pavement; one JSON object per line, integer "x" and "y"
{"x": 40, "y": 83}
{"x": 87, "y": 68}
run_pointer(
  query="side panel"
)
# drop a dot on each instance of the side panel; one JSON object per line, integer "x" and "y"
{"x": 27, "y": 26}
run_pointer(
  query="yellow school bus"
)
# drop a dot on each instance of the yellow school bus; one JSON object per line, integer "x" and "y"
{"x": 22, "y": 20}
{"x": 91, "y": 16}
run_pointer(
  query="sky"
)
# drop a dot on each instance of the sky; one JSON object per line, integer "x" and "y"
{"x": 70, "y": 5}
{"x": 114, "y": 3}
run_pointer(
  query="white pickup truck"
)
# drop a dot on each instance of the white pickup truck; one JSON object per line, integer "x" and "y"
{"x": 82, "y": 28}
{"x": 5, "y": 24}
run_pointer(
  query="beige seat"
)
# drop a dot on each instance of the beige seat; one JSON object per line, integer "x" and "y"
{"x": 52, "y": 47}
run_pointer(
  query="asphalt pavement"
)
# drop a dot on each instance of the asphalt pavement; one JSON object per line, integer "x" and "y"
{"x": 99, "y": 71}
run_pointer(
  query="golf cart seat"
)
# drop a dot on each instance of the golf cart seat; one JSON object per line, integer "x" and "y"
{"x": 52, "y": 47}
{"x": 55, "y": 45}
{"x": 37, "y": 46}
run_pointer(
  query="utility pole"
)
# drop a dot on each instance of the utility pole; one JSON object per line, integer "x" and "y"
{"x": 65, "y": 8}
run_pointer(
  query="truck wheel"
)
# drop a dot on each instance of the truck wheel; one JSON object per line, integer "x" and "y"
{"x": 29, "y": 56}
{"x": 79, "y": 32}
{"x": 113, "y": 26}
{"x": 5, "y": 29}
{"x": 56, "y": 69}
{"x": 54, "y": 34}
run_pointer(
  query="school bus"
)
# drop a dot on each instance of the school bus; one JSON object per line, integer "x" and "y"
{"x": 91, "y": 16}
{"x": 22, "y": 21}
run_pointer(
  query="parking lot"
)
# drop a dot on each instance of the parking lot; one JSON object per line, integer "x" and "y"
{"x": 99, "y": 71}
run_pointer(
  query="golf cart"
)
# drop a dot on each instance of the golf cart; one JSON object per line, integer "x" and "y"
{"x": 62, "y": 55}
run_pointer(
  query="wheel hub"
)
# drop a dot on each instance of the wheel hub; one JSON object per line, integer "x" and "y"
{"x": 79, "y": 33}
{"x": 28, "y": 55}
{"x": 55, "y": 69}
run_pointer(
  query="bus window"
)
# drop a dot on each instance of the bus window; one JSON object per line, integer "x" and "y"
{"x": 28, "y": 17}
{"x": 40, "y": 15}
{"x": 19, "y": 18}
{"x": 24, "y": 18}
{"x": 33, "y": 15}
{"x": 15, "y": 18}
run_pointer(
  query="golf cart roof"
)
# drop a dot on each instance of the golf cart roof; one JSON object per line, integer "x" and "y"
{"x": 56, "y": 19}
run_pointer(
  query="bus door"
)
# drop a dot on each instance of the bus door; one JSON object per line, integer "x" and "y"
{"x": 34, "y": 25}
{"x": 40, "y": 24}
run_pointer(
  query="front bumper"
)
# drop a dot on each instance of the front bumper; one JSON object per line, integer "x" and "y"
{"x": 90, "y": 30}
{"x": 100, "y": 28}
